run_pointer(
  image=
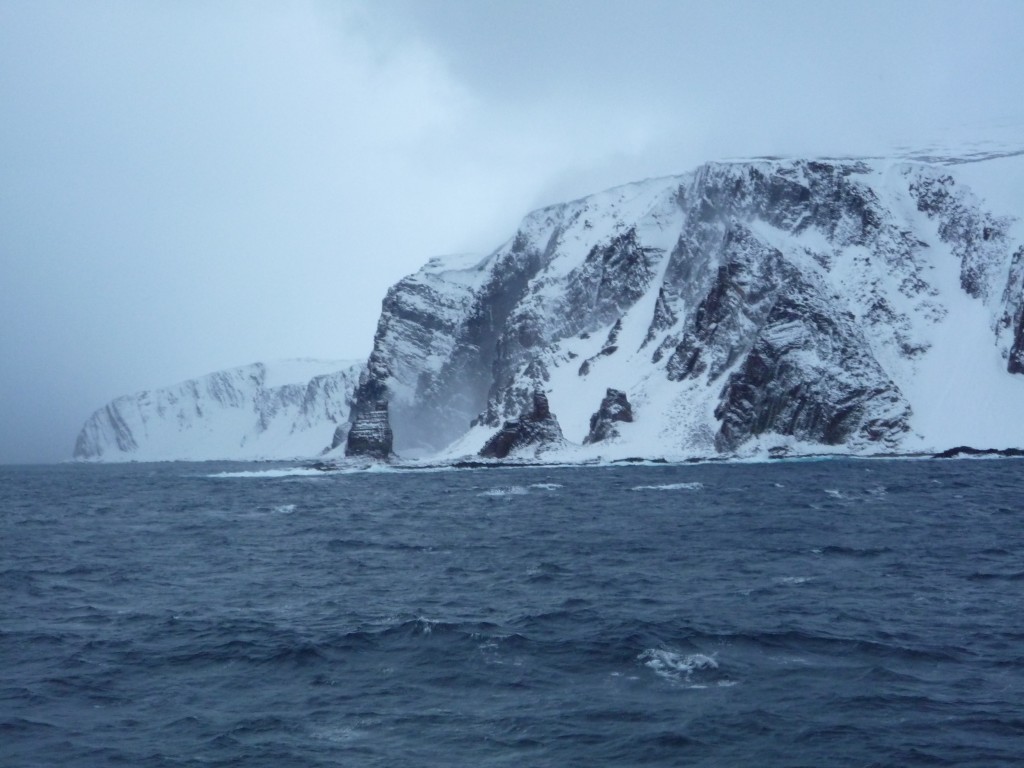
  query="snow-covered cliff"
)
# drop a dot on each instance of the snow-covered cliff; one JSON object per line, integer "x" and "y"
{"x": 276, "y": 410}
{"x": 745, "y": 308}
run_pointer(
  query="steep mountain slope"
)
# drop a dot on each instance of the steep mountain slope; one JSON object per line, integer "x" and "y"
{"x": 744, "y": 308}
{"x": 260, "y": 411}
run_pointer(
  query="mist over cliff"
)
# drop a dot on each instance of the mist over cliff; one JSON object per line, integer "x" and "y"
{"x": 279, "y": 410}
{"x": 751, "y": 308}
{"x": 761, "y": 307}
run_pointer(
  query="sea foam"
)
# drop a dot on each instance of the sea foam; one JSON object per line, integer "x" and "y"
{"x": 678, "y": 667}
{"x": 508, "y": 490}
{"x": 273, "y": 473}
{"x": 670, "y": 487}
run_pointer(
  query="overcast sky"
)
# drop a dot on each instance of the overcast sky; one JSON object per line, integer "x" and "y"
{"x": 187, "y": 186}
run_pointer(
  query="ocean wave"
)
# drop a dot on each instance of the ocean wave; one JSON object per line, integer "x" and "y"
{"x": 791, "y": 581}
{"x": 262, "y": 643}
{"x": 874, "y": 493}
{"x": 824, "y": 645}
{"x": 272, "y": 473}
{"x": 519, "y": 490}
{"x": 852, "y": 551}
{"x": 398, "y": 628}
{"x": 670, "y": 487}
{"x": 508, "y": 490}
{"x": 544, "y": 571}
{"x": 992, "y": 576}
{"x": 694, "y": 670}
{"x": 339, "y": 734}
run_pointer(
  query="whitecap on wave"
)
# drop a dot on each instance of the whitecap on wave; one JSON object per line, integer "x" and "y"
{"x": 339, "y": 734}
{"x": 425, "y": 626}
{"x": 508, "y": 490}
{"x": 694, "y": 670}
{"x": 272, "y": 473}
{"x": 670, "y": 487}
{"x": 791, "y": 581}
{"x": 519, "y": 490}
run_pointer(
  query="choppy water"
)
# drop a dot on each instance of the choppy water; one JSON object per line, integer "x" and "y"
{"x": 836, "y": 613}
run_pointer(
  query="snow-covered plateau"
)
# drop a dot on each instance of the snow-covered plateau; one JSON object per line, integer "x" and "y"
{"x": 747, "y": 309}
{"x": 282, "y": 410}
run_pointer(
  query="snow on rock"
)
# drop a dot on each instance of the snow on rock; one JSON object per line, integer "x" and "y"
{"x": 744, "y": 308}
{"x": 279, "y": 410}
{"x": 614, "y": 408}
{"x": 370, "y": 434}
{"x": 536, "y": 431}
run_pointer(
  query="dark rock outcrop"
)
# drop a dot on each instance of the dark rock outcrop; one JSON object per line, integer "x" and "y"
{"x": 976, "y": 237}
{"x": 735, "y": 305}
{"x": 663, "y": 320}
{"x": 1016, "y": 361}
{"x": 810, "y": 375}
{"x": 614, "y": 408}
{"x": 610, "y": 348}
{"x": 537, "y": 429}
{"x": 795, "y": 298}
{"x": 370, "y": 434}
{"x": 753, "y": 307}
{"x": 966, "y": 450}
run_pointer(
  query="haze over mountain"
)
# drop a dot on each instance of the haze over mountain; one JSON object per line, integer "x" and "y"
{"x": 756, "y": 308}
{"x": 749, "y": 308}
{"x": 261, "y": 411}
{"x": 189, "y": 187}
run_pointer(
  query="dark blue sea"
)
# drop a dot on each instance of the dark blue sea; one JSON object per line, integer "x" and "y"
{"x": 827, "y": 613}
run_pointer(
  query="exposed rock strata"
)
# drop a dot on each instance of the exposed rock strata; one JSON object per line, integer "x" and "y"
{"x": 535, "y": 430}
{"x": 760, "y": 303}
{"x": 766, "y": 307}
{"x": 1015, "y": 363}
{"x": 810, "y": 376}
{"x": 370, "y": 434}
{"x": 614, "y": 408}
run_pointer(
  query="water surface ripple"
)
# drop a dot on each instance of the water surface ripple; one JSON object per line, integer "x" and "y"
{"x": 831, "y": 613}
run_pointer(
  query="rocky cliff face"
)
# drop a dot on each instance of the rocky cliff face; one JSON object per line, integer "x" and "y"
{"x": 262, "y": 411}
{"x": 746, "y": 308}
{"x": 615, "y": 408}
{"x": 370, "y": 434}
{"x": 742, "y": 307}
{"x": 536, "y": 431}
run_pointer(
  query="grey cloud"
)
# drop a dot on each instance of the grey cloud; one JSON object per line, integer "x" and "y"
{"x": 189, "y": 186}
